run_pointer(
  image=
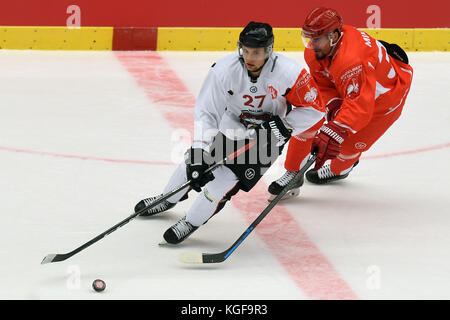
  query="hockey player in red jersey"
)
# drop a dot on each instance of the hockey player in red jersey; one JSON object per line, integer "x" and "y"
{"x": 364, "y": 83}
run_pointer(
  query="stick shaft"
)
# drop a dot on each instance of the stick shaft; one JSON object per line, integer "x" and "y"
{"x": 219, "y": 257}
{"x": 61, "y": 257}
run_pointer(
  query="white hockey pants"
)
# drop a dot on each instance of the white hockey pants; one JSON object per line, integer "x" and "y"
{"x": 212, "y": 197}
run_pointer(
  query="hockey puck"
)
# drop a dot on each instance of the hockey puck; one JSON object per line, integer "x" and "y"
{"x": 99, "y": 285}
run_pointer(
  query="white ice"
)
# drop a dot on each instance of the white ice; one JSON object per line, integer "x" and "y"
{"x": 386, "y": 229}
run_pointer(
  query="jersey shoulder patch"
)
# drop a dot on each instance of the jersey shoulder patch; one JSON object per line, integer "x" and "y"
{"x": 305, "y": 93}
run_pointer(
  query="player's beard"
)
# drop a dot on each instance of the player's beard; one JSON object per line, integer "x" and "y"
{"x": 320, "y": 55}
{"x": 323, "y": 52}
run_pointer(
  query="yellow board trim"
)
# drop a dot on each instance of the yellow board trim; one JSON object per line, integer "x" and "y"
{"x": 199, "y": 39}
{"x": 56, "y": 38}
{"x": 415, "y": 39}
{"x": 289, "y": 39}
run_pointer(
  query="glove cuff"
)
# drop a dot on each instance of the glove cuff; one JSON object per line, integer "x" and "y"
{"x": 276, "y": 125}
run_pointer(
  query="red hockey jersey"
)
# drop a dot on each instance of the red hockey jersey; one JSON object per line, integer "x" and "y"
{"x": 370, "y": 82}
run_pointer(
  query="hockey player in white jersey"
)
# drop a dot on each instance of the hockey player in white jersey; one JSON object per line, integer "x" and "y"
{"x": 246, "y": 96}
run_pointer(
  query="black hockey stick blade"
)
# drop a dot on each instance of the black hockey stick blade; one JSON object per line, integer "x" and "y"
{"x": 195, "y": 257}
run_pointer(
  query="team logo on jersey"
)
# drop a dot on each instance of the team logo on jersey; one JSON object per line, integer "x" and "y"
{"x": 352, "y": 78}
{"x": 273, "y": 92}
{"x": 352, "y": 73}
{"x": 311, "y": 95}
{"x": 253, "y": 89}
{"x": 303, "y": 79}
{"x": 353, "y": 89}
{"x": 249, "y": 173}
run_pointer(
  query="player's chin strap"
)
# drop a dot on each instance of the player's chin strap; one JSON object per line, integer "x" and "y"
{"x": 333, "y": 45}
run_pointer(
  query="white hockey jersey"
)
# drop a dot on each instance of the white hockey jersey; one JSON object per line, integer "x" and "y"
{"x": 229, "y": 100}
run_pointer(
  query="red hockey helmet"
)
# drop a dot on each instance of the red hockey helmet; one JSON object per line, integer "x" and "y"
{"x": 320, "y": 22}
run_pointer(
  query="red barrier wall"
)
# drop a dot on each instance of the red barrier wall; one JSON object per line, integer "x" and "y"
{"x": 227, "y": 13}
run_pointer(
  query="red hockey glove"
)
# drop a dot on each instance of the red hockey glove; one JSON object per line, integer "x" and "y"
{"x": 327, "y": 143}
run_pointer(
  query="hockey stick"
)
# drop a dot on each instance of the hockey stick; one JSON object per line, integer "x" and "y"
{"x": 194, "y": 257}
{"x": 61, "y": 257}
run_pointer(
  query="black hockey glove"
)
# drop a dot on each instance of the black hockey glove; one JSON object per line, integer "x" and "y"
{"x": 279, "y": 131}
{"x": 197, "y": 161}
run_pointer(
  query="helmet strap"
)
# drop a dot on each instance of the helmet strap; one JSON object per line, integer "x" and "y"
{"x": 333, "y": 45}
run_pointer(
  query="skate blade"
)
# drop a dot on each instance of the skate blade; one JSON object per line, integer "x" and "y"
{"x": 290, "y": 194}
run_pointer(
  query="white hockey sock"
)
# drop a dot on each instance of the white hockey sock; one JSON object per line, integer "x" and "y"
{"x": 178, "y": 178}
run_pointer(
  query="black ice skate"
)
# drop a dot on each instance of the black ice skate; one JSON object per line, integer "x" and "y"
{"x": 278, "y": 185}
{"x": 325, "y": 175}
{"x": 161, "y": 207}
{"x": 179, "y": 231}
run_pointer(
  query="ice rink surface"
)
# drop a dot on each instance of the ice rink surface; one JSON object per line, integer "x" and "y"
{"x": 85, "y": 135}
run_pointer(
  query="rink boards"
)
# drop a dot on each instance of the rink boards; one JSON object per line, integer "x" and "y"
{"x": 191, "y": 39}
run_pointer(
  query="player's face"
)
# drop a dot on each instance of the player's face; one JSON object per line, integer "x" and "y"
{"x": 254, "y": 58}
{"x": 322, "y": 46}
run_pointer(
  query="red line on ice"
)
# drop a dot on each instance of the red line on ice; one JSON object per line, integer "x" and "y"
{"x": 166, "y": 163}
{"x": 406, "y": 152}
{"x": 308, "y": 267}
{"x": 297, "y": 253}
{"x": 71, "y": 156}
